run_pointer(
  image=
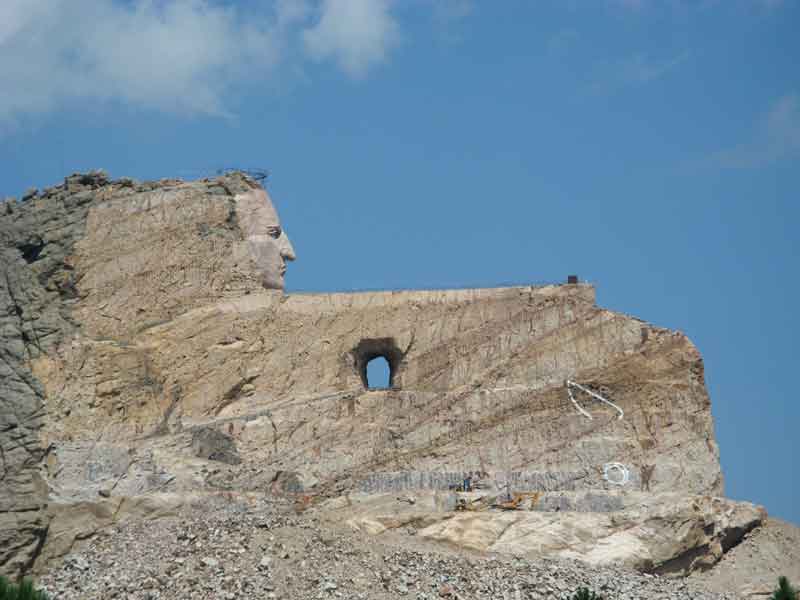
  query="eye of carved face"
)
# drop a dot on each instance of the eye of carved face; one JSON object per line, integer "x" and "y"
{"x": 275, "y": 232}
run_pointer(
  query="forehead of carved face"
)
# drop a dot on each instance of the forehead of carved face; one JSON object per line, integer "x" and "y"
{"x": 267, "y": 243}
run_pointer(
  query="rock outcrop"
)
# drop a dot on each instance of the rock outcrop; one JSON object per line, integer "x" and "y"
{"x": 37, "y": 288}
{"x": 147, "y": 347}
{"x": 43, "y": 315}
{"x": 659, "y": 533}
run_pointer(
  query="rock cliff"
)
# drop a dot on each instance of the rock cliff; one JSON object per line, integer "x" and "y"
{"x": 147, "y": 348}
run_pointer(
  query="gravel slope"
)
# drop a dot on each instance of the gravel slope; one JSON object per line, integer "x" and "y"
{"x": 229, "y": 549}
{"x": 752, "y": 568}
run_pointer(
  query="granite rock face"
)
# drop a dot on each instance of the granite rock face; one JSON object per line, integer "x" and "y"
{"x": 40, "y": 315}
{"x": 660, "y": 533}
{"x": 37, "y": 286}
{"x": 148, "y": 348}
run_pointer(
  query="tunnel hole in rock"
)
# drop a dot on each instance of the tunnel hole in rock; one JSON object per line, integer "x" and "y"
{"x": 378, "y": 374}
{"x": 377, "y": 362}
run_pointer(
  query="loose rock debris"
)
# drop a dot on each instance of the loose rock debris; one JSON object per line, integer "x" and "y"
{"x": 234, "y": 549}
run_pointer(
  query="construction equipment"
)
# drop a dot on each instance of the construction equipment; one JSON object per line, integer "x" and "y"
{"x": 474, "y": 504}
{"x": 516, "y": 500}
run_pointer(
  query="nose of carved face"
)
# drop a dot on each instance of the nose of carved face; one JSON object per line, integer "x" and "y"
{"x": 287, "y": 250}
{"x": 286, "y": 253}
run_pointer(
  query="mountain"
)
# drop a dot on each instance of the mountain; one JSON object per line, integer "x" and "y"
{"x": 150, "y": 359}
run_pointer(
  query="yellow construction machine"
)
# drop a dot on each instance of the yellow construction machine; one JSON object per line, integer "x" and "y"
{"x": 516, "y": 500}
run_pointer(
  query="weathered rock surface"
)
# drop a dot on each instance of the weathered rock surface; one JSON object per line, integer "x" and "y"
{"x": 75, "y": 521}
{"x": 753, "y": 567}
{"x": 212, "y": 444}
{"x": 36, "y": 289}
{"x": 142, "y": 355}
{"x": 661, "y": 533}
{"x": 41, "y": 294}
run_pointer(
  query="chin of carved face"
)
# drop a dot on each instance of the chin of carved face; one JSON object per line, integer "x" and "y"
{"x": 267, "y": 256}
{"x": 268, "y": 244}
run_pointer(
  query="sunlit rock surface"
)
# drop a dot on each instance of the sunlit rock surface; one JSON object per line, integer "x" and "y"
{"x": 148, "y": 348}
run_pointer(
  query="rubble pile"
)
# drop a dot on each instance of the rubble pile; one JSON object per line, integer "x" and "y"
{"x": 262, "y": 549}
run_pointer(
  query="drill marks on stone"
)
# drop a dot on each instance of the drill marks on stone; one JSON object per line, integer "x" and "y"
{"x": 384, "y": 455}
{"x": 487, "y": 337}
{"x": 527, "y": 340}
{"x": 165, "y": 205}
{"x": 438, "y": 442}
{"x": 199, "y": 258}
{"x": 459, "y": 417}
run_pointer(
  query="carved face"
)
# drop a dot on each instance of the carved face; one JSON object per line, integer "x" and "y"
{"x": 267, "y": 243}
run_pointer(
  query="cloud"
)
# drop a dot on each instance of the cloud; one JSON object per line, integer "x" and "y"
{"x": 635, "y": 70}
{"x": 356, "y": 34}
{"x": 179, "y": 56}
{"x": 777, "y": 136}
{"x": 187, "y": 57}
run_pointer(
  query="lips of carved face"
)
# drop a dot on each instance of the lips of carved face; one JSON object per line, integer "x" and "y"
{"x": 268, "y": 243}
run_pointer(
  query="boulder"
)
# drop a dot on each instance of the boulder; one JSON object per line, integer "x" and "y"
{"x": 665, "y": 534}
{"x": 212, "y": 444}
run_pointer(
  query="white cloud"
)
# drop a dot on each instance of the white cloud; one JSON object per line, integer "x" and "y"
{"x": 777, "y": 136}
{"x": 357, "y": 34}
{"x": 181, "y": 56}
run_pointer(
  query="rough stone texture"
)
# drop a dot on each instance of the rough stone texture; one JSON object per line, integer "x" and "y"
{"x": 42, "y": 293}
{"x": 753, "y": 567}
{"x": 140, "y": 345}
{"x": 662, "y": 533}
{"x": 72, "y": 522}
{"x": 212, "y": 444}
{"x": 224, "y": 549}
{"x": 479, "y": 386}
{"x": 36, "y": 290}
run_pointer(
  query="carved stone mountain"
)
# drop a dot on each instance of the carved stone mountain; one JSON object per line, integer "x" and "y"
{"x": 143, "y": 358}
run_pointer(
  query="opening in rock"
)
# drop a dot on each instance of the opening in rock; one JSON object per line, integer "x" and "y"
{"x": 377, "y": 362}
{"x": 378, "y": 374}
{"x": 30, "y": 252}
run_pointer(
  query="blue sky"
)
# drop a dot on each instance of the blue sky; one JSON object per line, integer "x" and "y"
{"x": 652, "y": 148}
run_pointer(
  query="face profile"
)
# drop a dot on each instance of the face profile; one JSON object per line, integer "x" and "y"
{"x": 267, "y": 243}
